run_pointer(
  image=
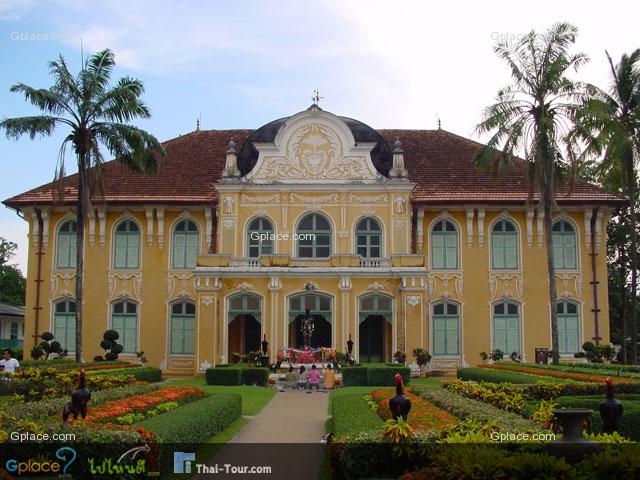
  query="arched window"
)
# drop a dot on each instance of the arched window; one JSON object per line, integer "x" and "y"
{"x": 369, "y": 238}
{"x": 66, "y": 244}
{"x": 564, "y": 245}
{"x": 124, "y": 319}
{"x": 314, "y": 237}
{"x": 446, "y": 328}
{"x": 504, "y": 245}
{"x": 568, "y": 327}
{"x": 64, "y": 323}
{"x": 444, "y": 246}
{"x": 186, "y": 243}
{"x": 183, "y": 328}
{"x": 126, "y": 245}
{"x": 506, "y": 327}
{"x": 260, "y": 237}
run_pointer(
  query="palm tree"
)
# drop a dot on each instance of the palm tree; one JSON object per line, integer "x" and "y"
{"x": 532, "y": 115}
{"x": 96, "y": 116}
{"x": 609, "y": 123}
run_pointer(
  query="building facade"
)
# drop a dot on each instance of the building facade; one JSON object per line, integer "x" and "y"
{"x": 403, "y": 243}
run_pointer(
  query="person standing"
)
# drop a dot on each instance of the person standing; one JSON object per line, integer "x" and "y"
{"x": 8, "y": 363}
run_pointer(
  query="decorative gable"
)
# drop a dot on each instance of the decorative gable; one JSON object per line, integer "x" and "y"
{"x": 314, "y": 146}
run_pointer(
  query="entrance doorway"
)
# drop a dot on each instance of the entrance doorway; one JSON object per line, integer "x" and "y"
{"x": 319, "y": 306}
{"x": 375, "y": 332}
{"x": 244, "y": 326}
{"x": 244, "y": 334}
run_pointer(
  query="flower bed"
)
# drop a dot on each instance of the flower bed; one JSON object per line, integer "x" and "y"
{"x": 423, "y": 415}
{"x": 582, "y": 377}
{"x": 502, "y": 395}
{"x": 136, "y": 408}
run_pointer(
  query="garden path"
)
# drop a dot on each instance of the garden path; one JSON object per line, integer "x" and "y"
{"x": 285, "y": 435}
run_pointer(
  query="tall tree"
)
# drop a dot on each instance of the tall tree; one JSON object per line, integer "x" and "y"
{"x": 96, "y": 115}
{"x": 609, "y": 124}
{"x": 12, "y": 283}
{"x": 531, "y": 115}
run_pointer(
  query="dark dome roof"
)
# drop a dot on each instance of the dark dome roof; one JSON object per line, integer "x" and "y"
{"x": 381, "y": 154}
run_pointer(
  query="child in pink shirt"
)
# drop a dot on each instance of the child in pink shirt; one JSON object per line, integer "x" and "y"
{"x": 314, "y": 379}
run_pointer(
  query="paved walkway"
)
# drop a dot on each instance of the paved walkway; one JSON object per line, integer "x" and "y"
{"x": 285, "y": 435}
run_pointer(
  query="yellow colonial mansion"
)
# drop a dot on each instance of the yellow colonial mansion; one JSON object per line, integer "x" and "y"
{"x": 400, "y": 241}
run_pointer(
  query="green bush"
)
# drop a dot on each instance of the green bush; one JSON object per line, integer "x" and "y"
{"x": 468, "y": 408}
{"x": 142, "y": 374}
{"x": 255, "y": 376}
{"x": 497, "y": 376}
{"x": 53, "y": 407}
{"x": 584, "y": 388}
{"x": 354, "y": 376}
{"x": 352, "y": 415}
{"x": 196, "y": 422}
{"x": 383, "y": 376}
{"x": 223, "y": 376}
{"x": 63, "y": 364}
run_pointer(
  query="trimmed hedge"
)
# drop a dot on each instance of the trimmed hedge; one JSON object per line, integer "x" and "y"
{"x": 477, "y": 410}
{"x": 62, "y": 364}
{"x": 386, "y": 375}
{"x": 196, "y": 422}
{"x": 232, "y": 375}
{"x": 223, "y": 376}
{"x": 354, "y": 377}
{"x": 352, "y": 415}
{"x": 255, "y": 376}
{"x": 374, "y": 376}
{"x": 499, "y": 376}
{"x": 142, "y": 374}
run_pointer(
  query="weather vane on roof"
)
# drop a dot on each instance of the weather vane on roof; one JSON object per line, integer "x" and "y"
{"x": 316, "y": 97}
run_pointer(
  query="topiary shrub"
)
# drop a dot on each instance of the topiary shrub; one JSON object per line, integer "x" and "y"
{"x": 47, "y": 347}
{"x": 255, "y": 376}
{"x": 223, "y": 376}
{"x": 354, "y": 377}
{"x": 110, "y": 345}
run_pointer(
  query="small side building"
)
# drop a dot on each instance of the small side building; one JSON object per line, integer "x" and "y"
{"x": 11, "y": 326}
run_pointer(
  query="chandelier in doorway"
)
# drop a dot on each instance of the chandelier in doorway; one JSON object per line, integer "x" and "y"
{"x": 307, "y": 324}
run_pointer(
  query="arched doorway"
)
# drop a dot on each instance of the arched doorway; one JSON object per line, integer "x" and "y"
{"x": 376, "y": 328}
{"x": 319, "y": 306}
{"x": 244, "y": 324}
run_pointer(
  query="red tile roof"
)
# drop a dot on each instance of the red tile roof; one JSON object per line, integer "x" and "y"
{"x": 439, "y": 162}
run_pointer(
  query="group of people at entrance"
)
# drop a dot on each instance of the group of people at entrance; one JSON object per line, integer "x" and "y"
{"x": 309, "y": 379}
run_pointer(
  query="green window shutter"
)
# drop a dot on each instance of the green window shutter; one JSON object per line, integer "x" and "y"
{"x": 192, "y": 250}
{"x": 120, "y": 251}
{"x": 498, "y": 245}
{"x": 511, "y": 251}
{"x": 177, "y": 334}
{"x": 63, "y": 251}
{"x": 179, "y": 249}
{"x": 572, "y": 333}
{"x": 453, "y": 334}
{"x": 499, "y": 333}
{"x": 570, "y": 251}
{"x": 437, "y": 251}
{"x": 133, "y": 250}
{"x": 438, "y": 336}
{"x": 130, "y": 334}
{"x": 558, "y": 250}
{"x": 513, "y": 334}
{"x": 562, "y": 334}
{"x": 451, "y": 252}
{"x": 189, "y": 335}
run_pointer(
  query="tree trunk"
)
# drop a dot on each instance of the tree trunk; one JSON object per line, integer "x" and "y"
{"x": 631, "y": 184}
{"x": 623, "y": 304}
{"x": 552, "y": 277}
{"x": 80, "y": 206}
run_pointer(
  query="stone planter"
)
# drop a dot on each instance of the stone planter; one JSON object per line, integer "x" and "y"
{"x": 573, "y": 447}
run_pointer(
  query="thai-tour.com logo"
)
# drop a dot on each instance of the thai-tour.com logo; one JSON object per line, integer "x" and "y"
{"x": 182, "y": 462}
{"x": 43, "y": 465}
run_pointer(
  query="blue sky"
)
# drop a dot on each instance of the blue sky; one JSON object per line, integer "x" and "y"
{"x": 241, "y": 64}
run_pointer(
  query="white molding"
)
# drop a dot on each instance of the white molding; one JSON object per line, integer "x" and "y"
{"x": 470, "y": 215}
{"x": 149, "y": 214}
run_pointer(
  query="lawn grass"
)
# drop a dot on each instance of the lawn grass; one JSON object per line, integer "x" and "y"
{"x": 350, "y": 413}
{"x": 253, "y": 398}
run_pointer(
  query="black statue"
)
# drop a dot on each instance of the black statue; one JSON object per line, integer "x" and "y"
{"x": 610, "y": 411}
{"x": 264, "y": 344}
{"x": 399, "y": 405}
{"x": 79, "y": 400}
{"x": 350, "y": 345}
